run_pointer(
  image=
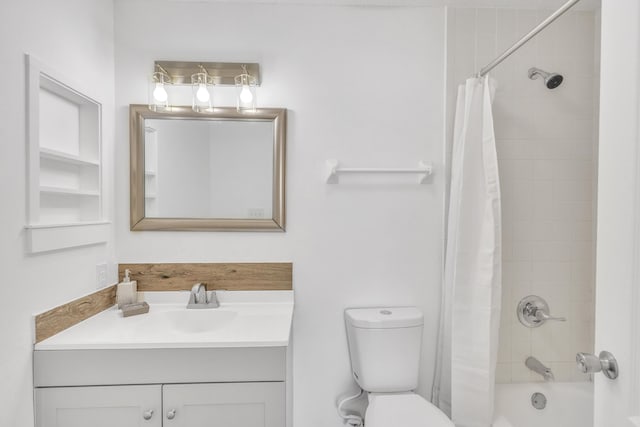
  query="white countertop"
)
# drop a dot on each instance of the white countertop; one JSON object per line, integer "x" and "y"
{"x": 244, "y": 319}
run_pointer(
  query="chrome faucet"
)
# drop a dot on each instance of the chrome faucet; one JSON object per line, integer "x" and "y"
{"x": 200, "y": 298}
{"x": 536, "y": 366}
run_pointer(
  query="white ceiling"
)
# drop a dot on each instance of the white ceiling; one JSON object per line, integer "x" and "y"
{"x": 511, "y": 4}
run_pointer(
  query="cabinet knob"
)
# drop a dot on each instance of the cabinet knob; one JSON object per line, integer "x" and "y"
{"x": 147, "y": 414}
{"x": 171, "y": 414}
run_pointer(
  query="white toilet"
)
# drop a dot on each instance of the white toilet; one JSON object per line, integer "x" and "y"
{"x": 384, "y": 345}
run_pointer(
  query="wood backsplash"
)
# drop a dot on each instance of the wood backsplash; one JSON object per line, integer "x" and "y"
{"x": 64, "y": 316}
{"x": 229, "y": 276}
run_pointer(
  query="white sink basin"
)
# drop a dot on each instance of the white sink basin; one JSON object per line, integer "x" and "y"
{"x": 195, "y": 320}
{"x": 244, "y": 319}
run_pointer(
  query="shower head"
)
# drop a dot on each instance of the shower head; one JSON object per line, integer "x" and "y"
{"x": 551, "y": 80}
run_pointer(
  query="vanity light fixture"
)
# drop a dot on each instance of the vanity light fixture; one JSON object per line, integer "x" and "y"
{"x": 246, "y": 91}
{"x": 158, "y": 96}
{"x": 201, "y": 85}
{"x": 202, "y": 77}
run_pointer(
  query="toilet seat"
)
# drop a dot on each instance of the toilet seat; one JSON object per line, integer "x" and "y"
{"x": 403, "y": 409}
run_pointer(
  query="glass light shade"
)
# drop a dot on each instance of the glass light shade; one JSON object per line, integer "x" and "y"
{"x": 158, "y": 96}
{"x": 246, "y": 99}
{"x": 202, "y": 93}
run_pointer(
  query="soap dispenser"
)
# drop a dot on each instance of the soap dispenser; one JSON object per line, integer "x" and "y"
{"x": 127, "y": 290}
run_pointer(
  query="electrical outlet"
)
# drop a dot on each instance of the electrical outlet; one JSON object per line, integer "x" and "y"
{"x": 101, "y": 275}
{"x": 255, "y": 213}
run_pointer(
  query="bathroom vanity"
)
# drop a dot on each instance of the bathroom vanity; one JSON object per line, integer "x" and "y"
{"x": 171, "y": 367}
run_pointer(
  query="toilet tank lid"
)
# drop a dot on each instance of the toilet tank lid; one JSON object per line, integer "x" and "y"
{"x": 384, "y": 317}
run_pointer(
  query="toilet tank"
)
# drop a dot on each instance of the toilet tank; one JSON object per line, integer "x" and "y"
{"x": 384, "y": 346}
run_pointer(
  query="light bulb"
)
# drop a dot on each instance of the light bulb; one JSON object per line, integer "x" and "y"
{"x": 245, "y": 95}
{"x": 202, "y": 93}
{"x": 160, "y": 93}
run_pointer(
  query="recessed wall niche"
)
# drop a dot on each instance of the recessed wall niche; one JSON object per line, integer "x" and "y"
{"x": 64, "y": 164}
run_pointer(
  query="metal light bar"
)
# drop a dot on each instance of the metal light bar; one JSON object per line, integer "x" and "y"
{"x": 544, "y": 24}
{"x": 223, "y": 73}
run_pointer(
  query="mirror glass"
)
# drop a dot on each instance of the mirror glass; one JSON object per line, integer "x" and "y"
{"x": 222, "y": 170}
{"x": 208, "y": 169}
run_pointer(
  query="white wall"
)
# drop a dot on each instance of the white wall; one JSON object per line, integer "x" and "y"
{"x": 74, "y": 37}
{"x": 618, "y": 183}
{"x": 351, "y": 244}
{"x": 546, "y": 142}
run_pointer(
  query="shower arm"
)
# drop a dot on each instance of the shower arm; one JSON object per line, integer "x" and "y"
{"x": 517, "y": 45}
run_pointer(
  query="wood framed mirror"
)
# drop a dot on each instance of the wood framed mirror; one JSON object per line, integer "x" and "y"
{"x": 218, "y": 171}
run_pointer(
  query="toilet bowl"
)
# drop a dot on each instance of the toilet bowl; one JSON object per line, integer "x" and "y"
{"x": 403, "y": 409}
{"x": 384, "y": 347}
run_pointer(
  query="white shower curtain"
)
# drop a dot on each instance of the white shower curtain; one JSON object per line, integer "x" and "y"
{"x": 472, "y": 274}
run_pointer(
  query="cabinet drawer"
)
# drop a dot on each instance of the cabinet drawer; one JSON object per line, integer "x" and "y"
{"x": 57, "y": 368}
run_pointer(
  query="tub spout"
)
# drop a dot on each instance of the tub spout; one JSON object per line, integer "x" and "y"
{"x": 536, "y": 366}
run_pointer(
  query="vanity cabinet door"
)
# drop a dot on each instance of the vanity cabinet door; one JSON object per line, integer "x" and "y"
{"x": 111, "y": 406}
{"x": 224, "y": 404}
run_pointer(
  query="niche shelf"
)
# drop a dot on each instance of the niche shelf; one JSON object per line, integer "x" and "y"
{"x": 64, "y": 164}
{"x": 69, "y": 191}
{"x": 59, "y": 156}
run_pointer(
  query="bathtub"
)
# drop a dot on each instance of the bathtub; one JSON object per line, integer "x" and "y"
{"x": 568, "y": 405}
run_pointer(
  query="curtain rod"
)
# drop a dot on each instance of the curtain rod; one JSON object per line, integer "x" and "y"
{"x": 517, "y": 45}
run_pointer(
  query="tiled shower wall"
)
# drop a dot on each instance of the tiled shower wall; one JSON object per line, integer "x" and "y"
{"x": 547, "y": 145}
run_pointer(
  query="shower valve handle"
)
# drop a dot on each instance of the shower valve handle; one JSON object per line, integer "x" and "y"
{"x": 543, "y": 316}
{"x": 533, "y": 312}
